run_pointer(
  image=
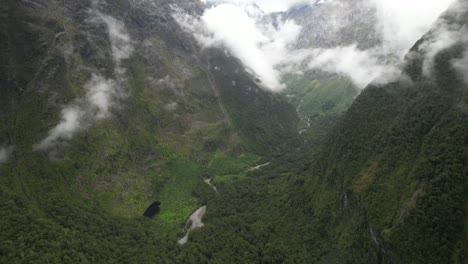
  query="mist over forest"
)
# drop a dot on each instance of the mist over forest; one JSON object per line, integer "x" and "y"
{"x": 233, "y": 131}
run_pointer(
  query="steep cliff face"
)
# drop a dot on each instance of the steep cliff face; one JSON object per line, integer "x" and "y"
{"x": 107, "y": 106}
{"x": 94, "y": 94}
{"x": 394, "y": 170}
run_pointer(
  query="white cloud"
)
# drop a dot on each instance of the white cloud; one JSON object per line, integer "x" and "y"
{"x": 400, "y": 30}
{"x": 261, "y": 47}
{"x": 266, "y": 49}
{"x": 363, "y": 67}
{"x": 462, "y": 66}
{"x": 266, "y": 5}
{"x": 80, "y": 115}
{"x": 71, "y": 123}
{"x": 100, "y": 94}
{"x": 122, "y": 47}
{"x": 5, "y": 153}
{"x": 444, "y": 35}
{"x": 403, "y": 22}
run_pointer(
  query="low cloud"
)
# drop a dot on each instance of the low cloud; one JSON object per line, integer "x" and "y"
{"x": 122, "y": 47}
{"x": 401, "y": 22}
{"x": 400, "y": 31}
{"x": 444, "y": 34}
{"x": 363, "y": 67}
{"x": 462, "y": 66}
{"x": 84, "y": 112}
{"x": 70, "y": 124}
{"x": 266, "y": 46}
{"x": 266, "y": 5}
{"x": 101, "y": 93}
{"x": 440, "y": 40}
{"x": 260, "y": 46}
{"x": 5, "y": 153}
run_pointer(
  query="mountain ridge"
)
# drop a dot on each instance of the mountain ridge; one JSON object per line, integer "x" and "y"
{"x": 384, "y": 182}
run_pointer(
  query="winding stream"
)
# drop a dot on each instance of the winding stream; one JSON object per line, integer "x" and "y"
{"x": 195, "y": 220}
{"x": 259, "y": 166}
{"x": 208, "y": 181}
{"x": 302, "y": 116}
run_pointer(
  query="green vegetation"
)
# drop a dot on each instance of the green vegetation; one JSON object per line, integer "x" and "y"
{"x": 265, "y": 122}
{"x": 398, "y": 170}
{"x": 320, "y": 103}
{"x": 176, "y": 197}
{"x": 230, "y": 169}
{"x": 222, "y": 164}
{"x": 321, "y": 97}
{"x": 83, "y": 201}
{"x": 381, "y": 179}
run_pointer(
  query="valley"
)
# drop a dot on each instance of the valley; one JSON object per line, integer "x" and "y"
{"x": 131, "y": 133}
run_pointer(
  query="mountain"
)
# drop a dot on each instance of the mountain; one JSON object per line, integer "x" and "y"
{"x": 387, "y": 186}
{"x": 394, "y": 170}
{"x": 329, "y": 24}
{"x": 107, "y": 107}
{"x": 321, "y": 97}
{"x": 109, "y": 111}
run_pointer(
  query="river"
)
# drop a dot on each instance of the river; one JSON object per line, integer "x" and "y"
{"x": 259, "y": 166}
{"x": 208, "y": 181}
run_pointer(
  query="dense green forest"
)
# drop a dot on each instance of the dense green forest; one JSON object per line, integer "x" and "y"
{"x": 320, "y": 173}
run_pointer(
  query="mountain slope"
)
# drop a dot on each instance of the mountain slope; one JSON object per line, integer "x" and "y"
{"x": 110, "y": 106}
{"x": 394, "y": 170}
{"x": 388, "y": 186}
{"x": 335, "y": 23}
